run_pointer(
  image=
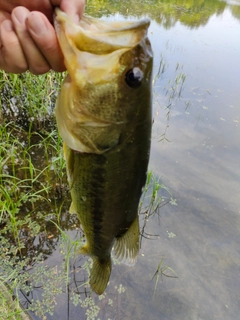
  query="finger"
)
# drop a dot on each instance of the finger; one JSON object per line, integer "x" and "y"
{"x": 37, "y": 64}
{"x": 44, "y": 6}
{"x": 44, "y": 36}
{"x": 12, "y": 58}
{"x": 4, "y": 16}
{"x": 74, "y": 8}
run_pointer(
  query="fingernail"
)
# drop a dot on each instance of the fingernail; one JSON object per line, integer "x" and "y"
{"x": 36, "y": 24}
{"x": 21, "y": 18}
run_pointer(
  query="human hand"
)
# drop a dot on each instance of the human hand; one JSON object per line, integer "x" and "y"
{"x": 27, "y": 37}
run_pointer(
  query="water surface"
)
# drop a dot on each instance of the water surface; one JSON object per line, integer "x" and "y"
{"x": 199, "y": 162}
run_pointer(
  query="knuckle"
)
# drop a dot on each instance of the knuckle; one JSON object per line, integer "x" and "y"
{"x": 59, "y": 68}
{"x": 18, "y": 68}
{"x": 9, "y": 66}
{"x": 40, "y": 69}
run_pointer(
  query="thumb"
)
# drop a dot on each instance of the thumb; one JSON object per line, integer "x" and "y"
{"x": 73, "y": 8}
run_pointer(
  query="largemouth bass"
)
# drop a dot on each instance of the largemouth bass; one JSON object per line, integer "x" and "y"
{"x": 103, "y": 114}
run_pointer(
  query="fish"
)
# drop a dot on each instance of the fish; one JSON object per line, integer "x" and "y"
{"x": 104, "y": 117}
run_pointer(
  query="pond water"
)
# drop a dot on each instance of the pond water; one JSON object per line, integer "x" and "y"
{"x": 195, "y": 153}
{"x": 200, "y": 164}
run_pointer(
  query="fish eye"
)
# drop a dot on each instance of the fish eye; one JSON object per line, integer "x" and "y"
{"x": 133, "y": 77}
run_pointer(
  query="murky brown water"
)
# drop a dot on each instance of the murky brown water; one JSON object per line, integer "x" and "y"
{"x": 198, "y": 45}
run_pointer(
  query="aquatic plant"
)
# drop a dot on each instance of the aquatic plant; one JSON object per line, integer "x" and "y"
{"x": 155, "y": 195}
{"x": 170, "y": 92}
{"x": 162, "y": 271}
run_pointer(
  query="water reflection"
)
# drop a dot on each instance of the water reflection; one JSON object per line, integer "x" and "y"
{"x": 200, "y": 167}
{"x": 192, "y": 13}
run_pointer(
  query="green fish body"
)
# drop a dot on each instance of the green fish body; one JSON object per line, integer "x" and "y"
{"x": 104, "y": 117}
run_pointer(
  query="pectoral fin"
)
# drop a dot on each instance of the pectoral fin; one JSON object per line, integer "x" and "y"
{"x": 72, "y": 208}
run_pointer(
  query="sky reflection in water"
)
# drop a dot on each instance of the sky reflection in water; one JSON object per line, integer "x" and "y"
{"x": 201, "y": 167}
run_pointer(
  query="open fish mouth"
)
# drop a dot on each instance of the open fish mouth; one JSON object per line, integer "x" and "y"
{"x": 101, "y": 36}
{"x": 106, "y": 60}
{"x": 108, "y": 40}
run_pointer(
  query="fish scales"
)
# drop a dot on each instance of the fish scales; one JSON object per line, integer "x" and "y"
{"x": 103, "y": 114}
{"x": 99, "y": 192}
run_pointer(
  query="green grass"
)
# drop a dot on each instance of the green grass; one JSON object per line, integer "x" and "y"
{"x": 32, "y": 172}
{"x": 9, "y": 309}
{"x": 29, "y": 100}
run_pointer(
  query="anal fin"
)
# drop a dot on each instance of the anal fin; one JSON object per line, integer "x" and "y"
{"x": 126, "y": 247}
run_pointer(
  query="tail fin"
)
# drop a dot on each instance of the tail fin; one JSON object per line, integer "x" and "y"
{"x": 126, "y": 247}
{"x": 100, "y": 272}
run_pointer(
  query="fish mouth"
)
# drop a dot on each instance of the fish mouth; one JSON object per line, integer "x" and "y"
{"x": 93, "y": 46}
{"x": 101, "y": 37}
{"x": 94, "y": 108}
